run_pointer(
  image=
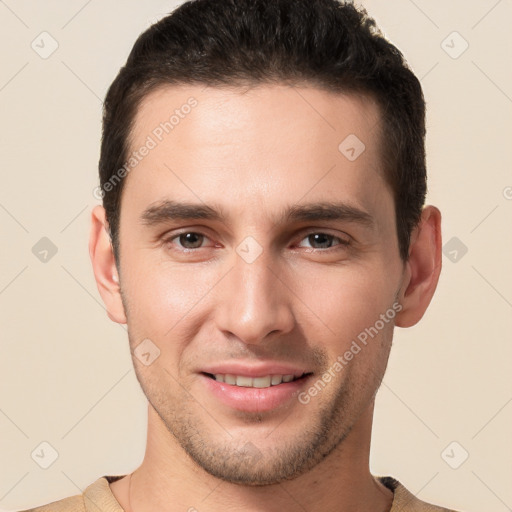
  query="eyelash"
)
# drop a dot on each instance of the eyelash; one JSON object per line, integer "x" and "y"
{"x": 341, "y": 242}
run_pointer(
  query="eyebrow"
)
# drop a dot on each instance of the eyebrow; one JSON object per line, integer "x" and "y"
{"x": 328, "y": 211}
{"x": 168, "y": 210}
{"x": 173, "y": 210}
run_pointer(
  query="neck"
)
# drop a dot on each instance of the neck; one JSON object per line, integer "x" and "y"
{"x": 168, "y": 480}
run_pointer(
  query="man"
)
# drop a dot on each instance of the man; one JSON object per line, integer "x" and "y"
{"x": 263, "y": 230}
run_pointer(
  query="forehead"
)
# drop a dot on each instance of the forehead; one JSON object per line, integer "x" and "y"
{"x": 259, "y": 146}
{"x": 256, "y": 112}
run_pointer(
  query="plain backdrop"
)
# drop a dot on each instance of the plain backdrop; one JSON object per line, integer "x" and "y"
{"x": 444, "y": 413}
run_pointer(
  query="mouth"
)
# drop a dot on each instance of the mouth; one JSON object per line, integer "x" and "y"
{"x": 256, "y": 393}
{"x": 263, "y": 382}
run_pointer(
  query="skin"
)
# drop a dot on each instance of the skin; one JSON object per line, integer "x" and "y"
{"x": 253, "y": 153}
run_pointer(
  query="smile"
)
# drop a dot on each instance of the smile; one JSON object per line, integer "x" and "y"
{"x": 253, "y": 382}
{"x": 256, "y": 393}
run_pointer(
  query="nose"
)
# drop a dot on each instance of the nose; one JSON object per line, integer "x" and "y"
{"x": 253, "y": 303}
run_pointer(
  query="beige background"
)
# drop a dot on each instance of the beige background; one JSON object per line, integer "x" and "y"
{"x": 66, "y": 372}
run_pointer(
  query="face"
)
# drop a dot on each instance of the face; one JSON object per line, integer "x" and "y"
{"x": 260, "y": 263}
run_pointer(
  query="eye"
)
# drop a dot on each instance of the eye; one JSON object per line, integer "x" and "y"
{"x": 323, "y": 241}
{"x": 188, "y": 240}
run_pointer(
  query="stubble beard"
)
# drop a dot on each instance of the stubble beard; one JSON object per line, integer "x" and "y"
{"x": 241, "y": 461}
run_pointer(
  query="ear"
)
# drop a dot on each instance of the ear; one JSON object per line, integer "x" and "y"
{"x": 104, "y": 265}
{"x": 422, "y": 269}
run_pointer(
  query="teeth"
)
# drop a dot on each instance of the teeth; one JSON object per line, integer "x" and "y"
{"x": 256, "y": 382}
{"x": 245, "y": 382}
{"x": 261, "y": 382}
{"x": 228, "y": 379}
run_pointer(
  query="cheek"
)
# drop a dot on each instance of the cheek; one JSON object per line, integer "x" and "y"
{"x": 161, "y": 296}
{"x": 164, "y": 306}
{"x": 347, "y": 299}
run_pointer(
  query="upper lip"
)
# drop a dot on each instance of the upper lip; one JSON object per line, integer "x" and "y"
{"x": 254, "y": 370}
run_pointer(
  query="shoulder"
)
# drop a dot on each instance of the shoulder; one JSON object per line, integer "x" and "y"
{"x": 96, "y": 496}
{"x": 405, "y": 500}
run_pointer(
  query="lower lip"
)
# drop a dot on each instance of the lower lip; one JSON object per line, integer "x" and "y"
{"x": 254, "y": 399}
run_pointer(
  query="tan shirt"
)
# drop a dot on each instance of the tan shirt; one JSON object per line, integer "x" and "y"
{"x": 99, "y": 498}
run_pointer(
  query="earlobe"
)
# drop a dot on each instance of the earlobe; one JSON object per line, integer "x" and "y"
{"x": 104, "y": 266}
{"x": 422, "y": 269}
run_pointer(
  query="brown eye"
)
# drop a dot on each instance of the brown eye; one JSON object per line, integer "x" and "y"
{"x": 323, "y": 241}
{"x": 190, "y": 240}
